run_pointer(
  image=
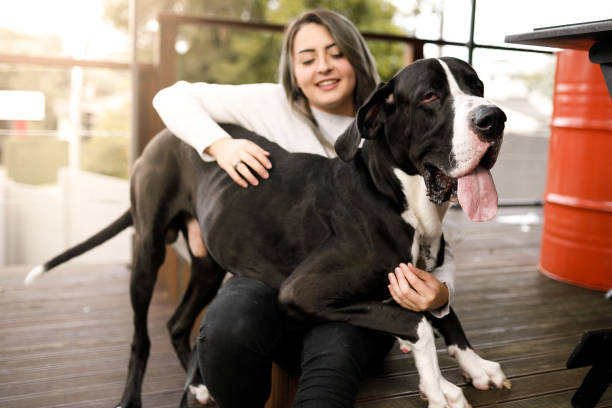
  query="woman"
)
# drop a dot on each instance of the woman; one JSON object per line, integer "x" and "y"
{"x": 326, "y": 72}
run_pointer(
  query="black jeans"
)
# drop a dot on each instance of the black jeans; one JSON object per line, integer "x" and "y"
{"x": 242, "y": 332}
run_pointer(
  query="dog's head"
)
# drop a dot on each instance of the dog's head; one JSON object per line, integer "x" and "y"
{"x": 433, "y": 120}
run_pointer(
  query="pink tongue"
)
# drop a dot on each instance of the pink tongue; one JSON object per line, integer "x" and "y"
{"x": 477, "y": 195}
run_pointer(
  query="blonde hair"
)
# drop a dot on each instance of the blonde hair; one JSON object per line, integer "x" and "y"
{"x": 351, "y": 44}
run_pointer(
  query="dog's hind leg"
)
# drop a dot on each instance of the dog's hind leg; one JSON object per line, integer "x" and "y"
{"x": 482, "y": 373}
{"x": 149, "y": 254}
{"x": 205, "y": 280}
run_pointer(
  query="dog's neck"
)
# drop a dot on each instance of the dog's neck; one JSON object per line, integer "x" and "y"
{"x": 405, "y": 188}
{"x": 426, "y": 219}
{"x": 409, "y": 194}
{"x": 376, "y": 157}
{"x": 423, "y": 215}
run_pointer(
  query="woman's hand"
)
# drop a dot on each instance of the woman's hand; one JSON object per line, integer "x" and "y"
{"x": 415, "y": 289}
{"x": 238, "y": 157}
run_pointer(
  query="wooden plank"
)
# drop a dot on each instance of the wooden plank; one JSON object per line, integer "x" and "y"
{"x": 557, "y": 400}
{"x": 53, "y": 352}
{"x": 523, "y": 388}
{"x": 65, "y": 342}
{"x": 402, "y": 364}
{"x": 515, "y": 369}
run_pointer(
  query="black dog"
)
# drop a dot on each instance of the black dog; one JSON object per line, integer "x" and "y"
{"x": 325, "y": 232}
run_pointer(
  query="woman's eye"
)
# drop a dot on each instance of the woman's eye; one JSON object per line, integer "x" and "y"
{"x": 338, "y": 55}
{"x": 430, "y": 97}
{"x": 307, "y": 62}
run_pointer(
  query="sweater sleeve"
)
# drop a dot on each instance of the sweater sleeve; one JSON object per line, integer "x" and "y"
{"x": 445, "y": 273}
{"x": 192, "y": 111}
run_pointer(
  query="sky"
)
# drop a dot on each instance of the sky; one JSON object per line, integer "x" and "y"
{"x": 84, "y": 33}
{"x": 83, "y": 25}
{"x": 78, "y": 23}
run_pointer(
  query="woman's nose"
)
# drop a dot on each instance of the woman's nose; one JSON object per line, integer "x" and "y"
{"x": 323, "y": 65}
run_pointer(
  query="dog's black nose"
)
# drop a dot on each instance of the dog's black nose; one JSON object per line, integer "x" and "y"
{"x": 488, "y": 122}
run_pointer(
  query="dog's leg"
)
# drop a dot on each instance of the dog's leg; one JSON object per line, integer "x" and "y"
{"x": 482, "y": 373}
{"x": 426, "y": 361}
{"x": 206, "y": 278}
{"x": 148, "y": 257}
{"x": 317, "y": 295}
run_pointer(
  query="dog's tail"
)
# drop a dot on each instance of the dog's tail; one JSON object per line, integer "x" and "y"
{"x": 121, "y": 223}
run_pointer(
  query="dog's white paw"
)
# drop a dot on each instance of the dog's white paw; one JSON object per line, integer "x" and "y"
{"x": 453, "y": 394}
{"x": 451, "y": 397}
{"x": 201, "y": 394}
{"x": 480, "y": 372}
{"x": 404, "y": 345}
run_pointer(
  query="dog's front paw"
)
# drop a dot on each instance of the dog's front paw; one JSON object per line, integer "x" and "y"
{"x": 483, "y": 374}
{"x": 201, "y": 394}
{"x": 453, "y": 396}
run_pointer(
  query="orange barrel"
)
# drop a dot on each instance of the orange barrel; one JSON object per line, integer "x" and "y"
{"x": 577, "y": 237}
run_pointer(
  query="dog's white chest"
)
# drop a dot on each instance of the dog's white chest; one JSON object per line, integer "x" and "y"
{"x": 424, "y": 251}
{"x": 426, "y": 219}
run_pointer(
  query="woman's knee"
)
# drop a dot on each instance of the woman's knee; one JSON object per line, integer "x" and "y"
{"x": 242, "y": 318}
{"x": 344, "y": 347}
{"x": 334, "y": 359}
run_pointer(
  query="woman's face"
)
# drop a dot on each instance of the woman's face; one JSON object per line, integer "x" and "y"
{"x": 322, "y": 72}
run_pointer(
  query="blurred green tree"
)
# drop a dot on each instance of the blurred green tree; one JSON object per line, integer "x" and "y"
{"x": 233, "y": 56}
{"x": 53, "y": 82}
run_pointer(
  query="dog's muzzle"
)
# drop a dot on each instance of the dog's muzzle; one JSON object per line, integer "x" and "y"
{"x": 442, "y": 188}
{"x": 488, "y": 123}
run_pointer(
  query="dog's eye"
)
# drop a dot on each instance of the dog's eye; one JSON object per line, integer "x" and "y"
{"x": 430, "y": 97}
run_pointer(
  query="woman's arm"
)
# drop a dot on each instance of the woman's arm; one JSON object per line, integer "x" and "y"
{"x": 186, "y": 111}
{"x": 445, "y": 273}
{"x": 192, "y": 112}
{"x": 418, "y": 290}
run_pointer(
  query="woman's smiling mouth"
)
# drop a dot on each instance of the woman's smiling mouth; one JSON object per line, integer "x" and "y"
{"x": 327, "y": 84}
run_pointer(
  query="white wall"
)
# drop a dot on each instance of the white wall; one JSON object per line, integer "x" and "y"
{"x": 33, "y": 222}
{"x": 38, "y": 222}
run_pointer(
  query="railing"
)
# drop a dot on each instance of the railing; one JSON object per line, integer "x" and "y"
{"x": 163, "y": 72}
{"x": 169, "y": 23}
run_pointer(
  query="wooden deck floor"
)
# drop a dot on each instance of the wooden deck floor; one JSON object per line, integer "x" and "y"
{"x": 65, "y": 342}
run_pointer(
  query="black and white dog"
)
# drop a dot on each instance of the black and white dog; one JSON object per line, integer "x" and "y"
{"x": 326, "y": 232}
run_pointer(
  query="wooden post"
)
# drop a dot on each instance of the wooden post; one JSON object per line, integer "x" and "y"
{"x": 168, "y": 30}
{"x": 150, "y": 123}
{"x": 413, "y": 51}
{"x": 284, "y": 387}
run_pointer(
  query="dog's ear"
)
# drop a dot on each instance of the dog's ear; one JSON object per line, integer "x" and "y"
{"x": 368, "y": 123}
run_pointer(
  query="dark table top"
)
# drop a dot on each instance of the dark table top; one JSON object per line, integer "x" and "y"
{"x": 579, "y": 36}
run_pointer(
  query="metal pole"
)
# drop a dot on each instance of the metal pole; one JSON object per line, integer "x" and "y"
{"x": 471, "y": 44}
{"x": 441, "y": 27}
{"x": 135, "y": 71}
{"x": 135, "y": 74}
